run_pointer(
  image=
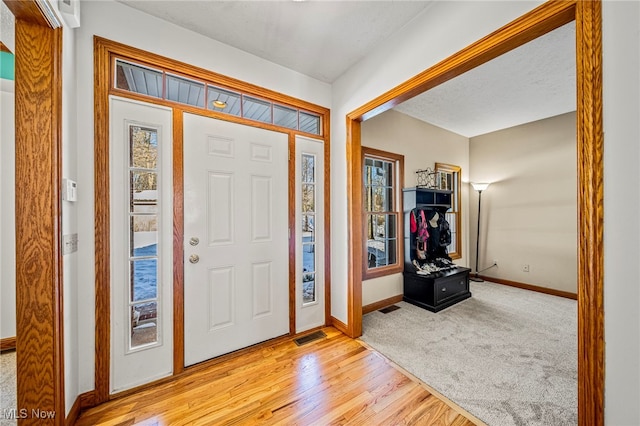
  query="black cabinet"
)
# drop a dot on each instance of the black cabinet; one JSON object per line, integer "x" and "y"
{"x": 438, "y": 290}
{"x": 449, "y": 284}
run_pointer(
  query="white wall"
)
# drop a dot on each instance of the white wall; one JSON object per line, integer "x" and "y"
{"x": 422, "y": 145}
{"x": 621, "y": 57}
{"x": 529, "y": 213}
{"x": 7, "y": 210}
{"x": 70, "y": 265}
{"x": 120, "y": 23}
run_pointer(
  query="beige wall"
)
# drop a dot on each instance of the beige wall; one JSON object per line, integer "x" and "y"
{"x": 529, "y": 213}
{"x": 422, "y": 145}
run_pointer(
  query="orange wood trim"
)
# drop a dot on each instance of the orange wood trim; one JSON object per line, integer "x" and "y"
{"x": 178, "y": 241}
{"x": 7, "y": 344}
{"x": 102, "y": 78}
{"x": 590, "y": 136}
{"x": 539, "y": 21}
{"x": 27, "y": 11}
{"x": 531, "y": 287}
{"x": 292, "y": 234}
{"x": 4, "y": 48}
{"x": 339, "y": 325}
{"x": 354, "y": 233}
{"x": 39, "y": 327}
{"x": 82, "y": 402}
{"x": 381, "y": 304}
{"x": 327, "y": 219}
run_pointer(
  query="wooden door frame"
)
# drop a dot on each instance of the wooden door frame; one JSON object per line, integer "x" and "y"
{"x": 539, "y": 21}
{"x": 104, "y": 52}
{"x": 38, "y": 124}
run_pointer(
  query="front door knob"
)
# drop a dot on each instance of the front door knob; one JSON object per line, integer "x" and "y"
{"x": 194, "y": 258}
{"x": 194, "y": 241}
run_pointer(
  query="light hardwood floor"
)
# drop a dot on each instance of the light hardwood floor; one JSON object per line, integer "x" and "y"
{"x": 336, "y": 380}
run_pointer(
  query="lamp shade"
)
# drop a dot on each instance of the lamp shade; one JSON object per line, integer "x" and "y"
{"x": 480, "y": 186}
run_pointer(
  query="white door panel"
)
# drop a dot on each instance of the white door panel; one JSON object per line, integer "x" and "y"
{"x": 236, "y": 205}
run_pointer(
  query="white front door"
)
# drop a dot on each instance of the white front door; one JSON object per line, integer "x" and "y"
{"x": 310, "y": 303}
{"x": 236, "y": 266}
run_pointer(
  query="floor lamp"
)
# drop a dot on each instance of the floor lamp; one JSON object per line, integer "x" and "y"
{"x": 478, "y": 187}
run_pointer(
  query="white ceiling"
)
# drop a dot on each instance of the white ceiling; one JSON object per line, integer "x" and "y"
{"x": 530, "y": 83}
{"x": 323, "y": 39}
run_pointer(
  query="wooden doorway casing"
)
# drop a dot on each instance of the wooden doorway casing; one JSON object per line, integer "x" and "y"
{"x": 38, "y": 123}
{"x": 539, "y": 21}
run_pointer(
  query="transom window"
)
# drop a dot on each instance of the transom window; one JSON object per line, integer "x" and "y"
{"x": 161, "y": 84}
{"x": 382, "y": 174}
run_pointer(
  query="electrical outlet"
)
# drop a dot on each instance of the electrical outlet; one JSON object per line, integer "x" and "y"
{"x": 525, "y": 268}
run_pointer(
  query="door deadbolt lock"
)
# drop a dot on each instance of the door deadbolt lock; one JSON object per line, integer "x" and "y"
{"x": 194, "y": 258}
{"x": 194, "y": 241}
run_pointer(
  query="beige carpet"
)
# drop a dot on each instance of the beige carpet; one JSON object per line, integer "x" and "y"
{"x": 508, "y": 356}
{"x": 7, "y": 386}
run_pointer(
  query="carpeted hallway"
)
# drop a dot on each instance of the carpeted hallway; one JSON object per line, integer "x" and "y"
{"x": 7, "y": 386}
{"x": 506, "y": 355}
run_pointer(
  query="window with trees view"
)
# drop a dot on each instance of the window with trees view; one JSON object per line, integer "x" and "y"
{"x": 382, "y": 173}
{"x": 143, "y": 236}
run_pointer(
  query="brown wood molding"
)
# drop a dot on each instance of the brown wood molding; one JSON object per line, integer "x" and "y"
{"x": 83, "y": 401}
{"x": 27, "y": 11}
{"x": 354, "y": 232}
{"x": 102, "y": 77}
{"x": 531, "y": 287}
{"x": 178, "y": 241}
{"x": 327, "y": 220}
{"x": 39, "y": 327}
{"x": 539, "y": 21}
{"x": 335, "y": 322}
{"x": 381, "y": 304}
{"x": 4, "y": 48}
{"x": 292, "y": 234}
{"x": 7, "y": 344}
{"x": 590, "y": 214}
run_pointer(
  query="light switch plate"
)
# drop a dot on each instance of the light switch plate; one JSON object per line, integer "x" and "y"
{"x": 69, "y": 243}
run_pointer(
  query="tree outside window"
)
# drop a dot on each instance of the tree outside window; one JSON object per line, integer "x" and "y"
{"x": 382, "y": 173}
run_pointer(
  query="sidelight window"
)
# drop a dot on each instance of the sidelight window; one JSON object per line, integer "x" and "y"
{"x": 143, "y": 236}
{"x": 309, "y": 197}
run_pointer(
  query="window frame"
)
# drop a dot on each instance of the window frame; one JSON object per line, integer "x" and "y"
{"x": 397, "y": 160}
{"x": 456, "y": 199}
